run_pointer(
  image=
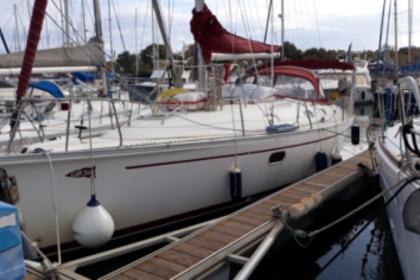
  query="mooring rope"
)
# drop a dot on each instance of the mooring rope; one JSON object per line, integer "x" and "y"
{"x": 344, "y": 247}
{"x": 302, "y": 234}
{"x": 54, "y": 194}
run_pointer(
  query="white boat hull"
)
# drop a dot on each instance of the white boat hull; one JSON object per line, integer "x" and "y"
{"x": 363, "y": 95}
{"x": 142, "y": 184}
{"x": 407, "y": 243}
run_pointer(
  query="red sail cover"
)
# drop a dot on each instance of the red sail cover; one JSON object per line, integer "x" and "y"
{"x": 213, "y": 38}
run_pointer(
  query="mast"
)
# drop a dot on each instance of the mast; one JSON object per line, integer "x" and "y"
{"x": 268, "y": 20}
{"x": 135, "y": 41}
{"x": 202, "y": 73}
{"x": 282, "y": 30}
{"x": 410, "y": 30}
{"x": 98, "y": 22}
{"x": 67, "y": 23}
{"x": 84, "y": 21}
{"x": 154, "y": 52}
{"x": 47, "y": 33}
{"x": 110, "y": 36}
{"x": 62, "y": 22}
{"x": 34, "y": 34}
{"x": 98, "y": 38}
{"x": 156, "y": 8}
{"x": 396, "y": 37}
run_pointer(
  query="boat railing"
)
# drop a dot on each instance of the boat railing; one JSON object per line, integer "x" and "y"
{"x": 57, "y": 121}
{"x": 120, "y": 122}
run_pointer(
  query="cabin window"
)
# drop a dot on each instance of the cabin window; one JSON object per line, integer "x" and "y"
{"x": 276, "y": 157}
{"x": 295, "y": 87}
{"x": 265, "y": 80}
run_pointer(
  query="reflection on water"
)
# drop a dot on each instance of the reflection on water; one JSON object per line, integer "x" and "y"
{"x": 360, "y": 247}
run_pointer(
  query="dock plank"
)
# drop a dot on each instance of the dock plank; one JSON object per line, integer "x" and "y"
{"x": 258, "y": 216}
{"x": 198, "y": 247}
{"x": 246, "y": 220}
{"x": 181, "y": 259}
{"x": 125, "y": 277}
{"x": 138, "y": 274}
{"x": 152, "y": 268}
{"x": 193, "y": 250}
{"x": 176, "y": 268}
{"x": 214, "y": 235}
{"x": 229, "y": 230}
{"x": 206, "y": 243}
{"x": 237, "y": 225}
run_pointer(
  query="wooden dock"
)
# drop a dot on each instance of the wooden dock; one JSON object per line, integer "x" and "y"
{"x": 211, "y": 247}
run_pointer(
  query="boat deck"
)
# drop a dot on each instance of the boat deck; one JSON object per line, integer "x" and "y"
{"x": 201, "y": 251}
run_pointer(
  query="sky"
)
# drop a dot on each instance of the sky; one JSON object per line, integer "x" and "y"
{"x": 330, "y": 24}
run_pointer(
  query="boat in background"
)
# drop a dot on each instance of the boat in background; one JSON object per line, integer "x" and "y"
{"x": 49, "y": 112}
{"x": 159, "y": 82}
{"x": 399, "y": 170}
{"x": 364, "y": 93}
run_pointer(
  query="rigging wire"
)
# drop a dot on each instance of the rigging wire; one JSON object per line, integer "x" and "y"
{"x": 317, "y": 24}
{"x": 170, "y": 18}
{"x": 311, "y": 235}
{"x": 230, "y": 16}
{"x": 144, "y": 28}
{"x": 249, "y": 43}
{"x": 23, "y": 25}
{"x": 77, "y": 36}
{"x": 119, "y": 26}
{"x": 268, "y": 20}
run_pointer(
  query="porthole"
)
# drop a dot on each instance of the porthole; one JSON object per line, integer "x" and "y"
{"x": 277, "y": 157}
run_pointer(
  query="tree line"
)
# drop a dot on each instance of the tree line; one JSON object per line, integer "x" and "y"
{"x": 129, "y": 65}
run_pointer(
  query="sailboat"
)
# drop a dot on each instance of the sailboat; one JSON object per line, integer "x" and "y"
{"x": 364, "y": 93}
{"x": 399, "y": 157}
{"x": 42, "y": 117}
{"x": 399, "y": 165}
{"x": 272, "y": 127}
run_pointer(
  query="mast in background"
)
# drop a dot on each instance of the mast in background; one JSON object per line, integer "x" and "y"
{"x": 98, "y": 39}
{"x": 396, "y": 37}
{"x": 410, "y": 29}
{"x": 135, "y": 43}
{"x": 162, "y": 27}
{"x": 110, "y": 37}
{"x": 270, "y": 7}
{"x": 202, "y": 73}
{"x": 282, "y": 30}
{"x": 67, "y": 23}
{"x": 84, "y": 22}
{"x": 4, "y": 41}
{"x": 17, "y": 28}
